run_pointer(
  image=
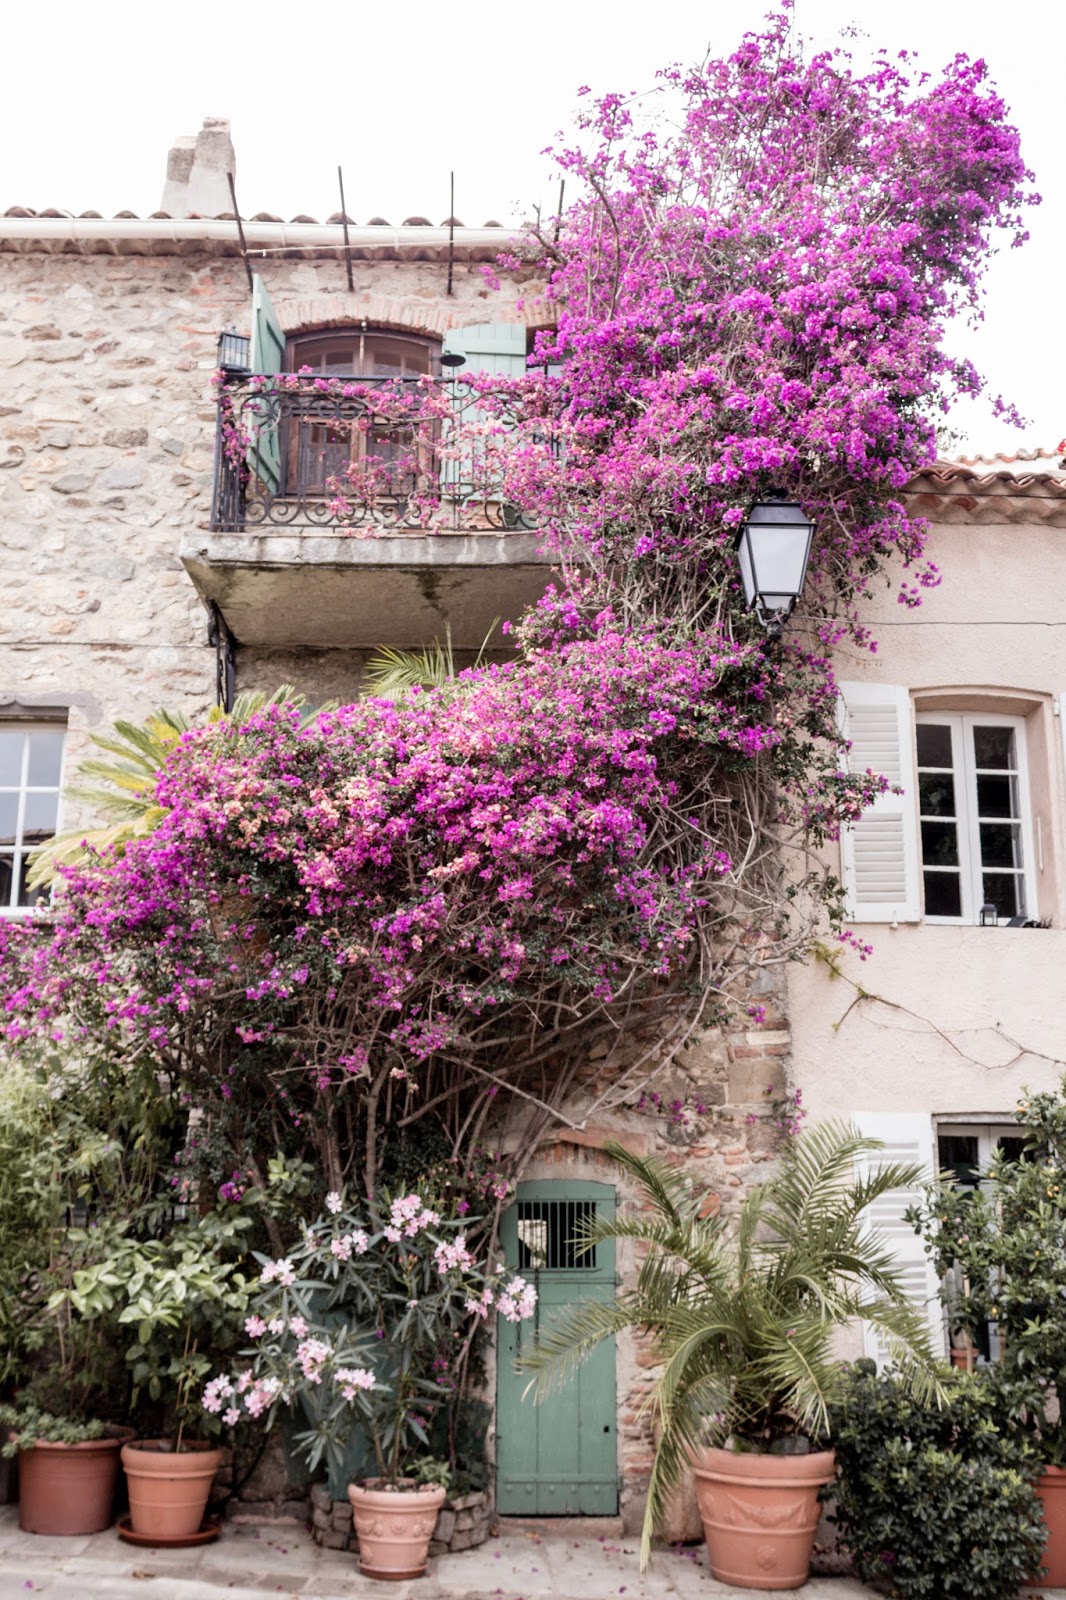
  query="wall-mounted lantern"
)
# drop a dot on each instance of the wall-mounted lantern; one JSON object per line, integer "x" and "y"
{"x": 773, "y": 548}
{"x": 989, "y": 915}
{"x": 233, "y": 352}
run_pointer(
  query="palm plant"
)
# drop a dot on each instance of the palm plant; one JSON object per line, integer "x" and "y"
{"x": 742, "y": 1319}
{"x": 123, "y": 789}
{"x": 391, "y": 673}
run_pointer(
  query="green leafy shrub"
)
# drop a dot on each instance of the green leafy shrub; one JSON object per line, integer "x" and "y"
{"x": 936, "y": 1502}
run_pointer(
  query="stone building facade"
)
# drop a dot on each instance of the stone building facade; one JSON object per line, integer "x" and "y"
{"x": 122, "y": 596}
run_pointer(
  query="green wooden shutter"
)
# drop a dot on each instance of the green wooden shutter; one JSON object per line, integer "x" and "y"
{"x": 498, "y": 347}
{"x": 267, "y": 355}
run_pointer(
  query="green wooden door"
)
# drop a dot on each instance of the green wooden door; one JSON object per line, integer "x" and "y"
{"x": 558, "y": 1458}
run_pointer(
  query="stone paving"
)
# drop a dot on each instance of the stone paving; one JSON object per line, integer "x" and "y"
{"x": 256, "y": 1562}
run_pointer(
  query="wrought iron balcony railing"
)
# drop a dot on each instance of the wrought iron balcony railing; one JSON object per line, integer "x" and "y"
{"x": 365, "y": 454}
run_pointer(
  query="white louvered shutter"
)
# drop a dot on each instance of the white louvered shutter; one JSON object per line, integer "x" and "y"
{"x": 907, "y": 1136}
{"x": 879, "y": 853}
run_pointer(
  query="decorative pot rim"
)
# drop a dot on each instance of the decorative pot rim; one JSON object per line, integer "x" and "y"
{"x": 744, "y": 1466}
{"x": 163, "y": 1447}
{"x": 106, "y": 1441}
{"x": 406, "y": 1488}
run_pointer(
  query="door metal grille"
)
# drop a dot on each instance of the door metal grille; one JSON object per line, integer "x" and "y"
{"x": 551, "y": 1235}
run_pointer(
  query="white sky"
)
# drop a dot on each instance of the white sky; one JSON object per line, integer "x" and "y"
{"x": 402, "y": 93}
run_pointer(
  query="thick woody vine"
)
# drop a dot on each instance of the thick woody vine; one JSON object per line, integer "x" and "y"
{"x": 397, "y": 935}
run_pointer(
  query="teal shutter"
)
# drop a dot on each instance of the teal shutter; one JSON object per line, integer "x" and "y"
{"x": 489, "y": 347}
{"x": 498, "y": 347}
{"x": 559, "y": 1457}
{"x": 267, "y": 355}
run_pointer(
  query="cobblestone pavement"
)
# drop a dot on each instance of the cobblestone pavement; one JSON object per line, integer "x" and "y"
{"x": 254, "y": 1563}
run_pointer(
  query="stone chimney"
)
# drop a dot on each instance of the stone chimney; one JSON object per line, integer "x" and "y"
{"x": 197, "y": 182}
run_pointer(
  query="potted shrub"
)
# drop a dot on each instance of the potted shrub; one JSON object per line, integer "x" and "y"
{"x": 1004, "y": 1242}
{"x": 358, "y": 1328}
{"x": 62, "y": 1378}
{"x": 184, "y": 1301}
{"x": 742, "y": 1318}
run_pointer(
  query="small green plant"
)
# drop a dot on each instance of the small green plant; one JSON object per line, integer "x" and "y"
{"x": 934, "y": 1501}
{"x": 29, "y": 1425}
{"x": 184, "y": 1297}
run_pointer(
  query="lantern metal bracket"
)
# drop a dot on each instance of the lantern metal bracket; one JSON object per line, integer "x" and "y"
{"x": 225, "y": 648}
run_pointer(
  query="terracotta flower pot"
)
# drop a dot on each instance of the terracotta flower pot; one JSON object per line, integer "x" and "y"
{"x": 394, "y": 1528}
{"x": 1051, "y": 1487}
{"x": 168, "y": 1488}
{"x": 66, "y": 1489}
{"x": 760, "y": 1514}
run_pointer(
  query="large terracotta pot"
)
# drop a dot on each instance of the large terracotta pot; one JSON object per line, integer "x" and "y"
{"x": 1051, "y": 1487}
{"x": 66, "y": 1489}
{"x": 169, "y": 1488}
{"x": 760, "y": 1514}
{"x": 394, "y": 1528}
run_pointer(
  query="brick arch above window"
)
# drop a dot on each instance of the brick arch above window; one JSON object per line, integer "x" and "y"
{"x": 430, "y": 319}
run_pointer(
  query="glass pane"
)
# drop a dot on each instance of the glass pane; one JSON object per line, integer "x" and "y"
{"x": 9, "y": 810}
{"x": 5, "y": 880}
{"x": 395, "y": 358}
{"x": 39, "y": 817}
{"x": 934, "y": 745}
{"x": 997, "y": 797}
{"x": 940, "y": 845}
{"x": 958, "y": 1153}
{"x": 1004, "y": 891}
{"x": 27, "y": 897}
{"x": 943, "y": 897}
{"x": 11, "y": 758}
{"x": 46, "y": 759}
{"x": 1000, "y": 844}
{"x": 1012, "y": 1148}
{"x": 994, "y": 747}
{"x": 936, "y": 794}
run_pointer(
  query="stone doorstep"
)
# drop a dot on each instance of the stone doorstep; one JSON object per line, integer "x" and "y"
{"x": 570, "y": 1527}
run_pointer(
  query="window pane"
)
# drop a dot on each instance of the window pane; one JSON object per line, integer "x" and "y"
{"x": 1000, "y": 844}
{"x": 46, "y": 758}
{"x": 936, "y": 795}
{"x": 39, "y": 817}
{"x": 5, "y": 879}
{"x": 1011, "y": 1148}
{"x": 934, "y": 745}
{"x": 942, "y": 894}
{"x": 27, "y": 897}
{"x": 958, "y": 1153}
{"x": 994, "y": 747}
{"x": 997, "y": 797}
{"x": 1004, "y": 891}
{"x": 11, "y": 758}
{"x": 9, "y": 810}
{"x": 940, "y": 845}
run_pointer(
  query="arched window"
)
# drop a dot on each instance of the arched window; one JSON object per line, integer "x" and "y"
{"x": 317, "y": 448}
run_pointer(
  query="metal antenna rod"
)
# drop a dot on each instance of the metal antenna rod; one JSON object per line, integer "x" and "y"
{"x": 240, "y": 231}
{"x": 344, "y": 220}
{"x": 451, "y": 231}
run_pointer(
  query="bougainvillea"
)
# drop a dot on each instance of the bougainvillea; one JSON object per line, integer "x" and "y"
{"x": 401, "y": 910}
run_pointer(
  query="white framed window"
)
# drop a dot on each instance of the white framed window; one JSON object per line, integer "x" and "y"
{"x": 31, "y": 772}
{"x": 973, "y": 804}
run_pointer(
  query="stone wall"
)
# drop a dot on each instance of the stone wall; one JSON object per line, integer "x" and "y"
{"x": 107, "y": 425}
